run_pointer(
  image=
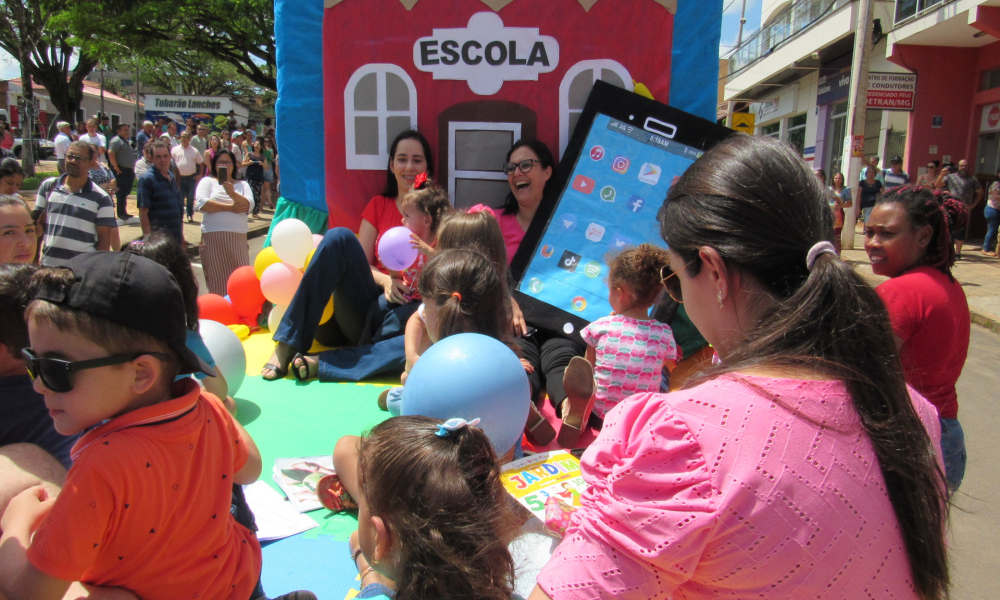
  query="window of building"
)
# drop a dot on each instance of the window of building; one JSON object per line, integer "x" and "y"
{"x": 380, "y": 102}
{"x": 576, "y": 86}
{"x": 991, "y": 79}
{"x": 797, "y": 133}
{"x": 772, "y": 130}
{"x": 837, "y": 135}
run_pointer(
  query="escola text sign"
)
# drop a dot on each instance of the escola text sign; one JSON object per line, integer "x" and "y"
{"x": 485, "y": 54}
{"x": 892, "y": 91}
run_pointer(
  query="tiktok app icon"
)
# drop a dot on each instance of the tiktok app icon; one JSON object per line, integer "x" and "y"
{"x": 568, "y": 261}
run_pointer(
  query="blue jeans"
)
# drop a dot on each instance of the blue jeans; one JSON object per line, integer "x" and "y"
{"x": 992, "y": 226}
{"x": 361, "y": 317}
{"x": 953, "y": 452}
{"x": 188, "y": 186}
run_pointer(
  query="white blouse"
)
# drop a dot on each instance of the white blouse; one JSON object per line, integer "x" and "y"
{"x": 209, "y": 188}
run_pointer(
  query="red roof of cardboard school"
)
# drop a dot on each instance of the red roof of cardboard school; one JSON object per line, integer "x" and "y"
{"x": 496, "y": 5}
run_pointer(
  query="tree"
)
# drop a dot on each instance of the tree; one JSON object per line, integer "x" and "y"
{"x": 238, "y": 32}
{"x": 45, "y": 54}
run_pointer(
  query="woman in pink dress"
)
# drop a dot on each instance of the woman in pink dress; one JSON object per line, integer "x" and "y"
{"x": 801, "y": 466}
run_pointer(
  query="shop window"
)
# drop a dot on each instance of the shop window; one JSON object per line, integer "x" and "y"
{"x": 576, "y": 86}
{"x": 380, "y": 102}
{"x": 797, "y": 133}
{"x": 837, "y": 136}
{"x": 991, "y": 79}
{"x": 773, "y": 130}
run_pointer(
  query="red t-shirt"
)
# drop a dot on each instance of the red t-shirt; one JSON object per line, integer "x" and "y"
{"x": 930, "y": 314}
{"x": 146, "y": 506}
{"x": 382, "y": 214}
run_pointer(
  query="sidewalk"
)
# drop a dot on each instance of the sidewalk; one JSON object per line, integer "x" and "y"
{"x": 258, "y": 226}
{"x": 978, "y": 274}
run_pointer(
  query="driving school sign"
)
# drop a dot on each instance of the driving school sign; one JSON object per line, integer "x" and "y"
{"x": 485, "y": 54}
{"x": 891, "y": 91}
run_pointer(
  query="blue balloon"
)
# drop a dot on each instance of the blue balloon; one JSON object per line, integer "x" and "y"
{"x": 472, "y": 376}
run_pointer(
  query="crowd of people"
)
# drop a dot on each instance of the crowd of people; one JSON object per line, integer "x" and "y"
{"x": 815, "y": 456}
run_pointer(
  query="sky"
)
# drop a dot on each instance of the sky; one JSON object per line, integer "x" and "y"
{"x": 731, "y": 22}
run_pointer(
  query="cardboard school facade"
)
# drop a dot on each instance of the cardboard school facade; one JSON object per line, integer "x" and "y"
{"x": 473, "y": 76}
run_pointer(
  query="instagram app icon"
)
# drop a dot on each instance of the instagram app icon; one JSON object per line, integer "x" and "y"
{"x": 620, "y": 164}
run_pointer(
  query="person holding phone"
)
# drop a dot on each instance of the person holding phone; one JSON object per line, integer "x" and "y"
{"x": 225, "y": 201}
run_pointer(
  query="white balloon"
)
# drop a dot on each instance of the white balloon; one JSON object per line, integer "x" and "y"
{"x": 292, "y": 240}
{"x": 274, "y": 319}
{"x": 227, "y": 351}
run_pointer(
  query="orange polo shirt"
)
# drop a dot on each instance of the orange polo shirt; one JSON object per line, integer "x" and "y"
{"x": 146, "y": 505}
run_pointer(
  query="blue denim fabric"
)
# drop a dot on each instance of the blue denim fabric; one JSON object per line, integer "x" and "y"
{"x": 366, "y": 320}
{"x": 953, "y": 452}
{"x": 992, "y": 226}
{"x": 188, "y": 187}
{"x": 361, "y": 362}
{"x": 376, "y": 590}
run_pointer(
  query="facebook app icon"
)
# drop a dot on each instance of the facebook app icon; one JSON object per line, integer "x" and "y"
{"x": 635, "y": 204}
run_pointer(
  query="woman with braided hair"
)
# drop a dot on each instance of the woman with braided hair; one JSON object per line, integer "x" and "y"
{"x": 909, "y": 240}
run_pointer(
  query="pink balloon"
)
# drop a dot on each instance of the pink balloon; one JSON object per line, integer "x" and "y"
{"x": 395, "y": 249}
{"x": 317, "y": 238}
{"x": 279, "y": 282}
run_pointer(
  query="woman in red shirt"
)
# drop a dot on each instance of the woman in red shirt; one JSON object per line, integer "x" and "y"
{"x": 372, "y": 303}
{"x": 909, "y": 240}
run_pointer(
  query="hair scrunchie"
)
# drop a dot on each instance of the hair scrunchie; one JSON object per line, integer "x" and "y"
{"x": 818, "y": 248}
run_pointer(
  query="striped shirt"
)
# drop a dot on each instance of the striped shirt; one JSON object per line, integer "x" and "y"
{"x": 72, "y": 219}
{"x": 166, "y": 205}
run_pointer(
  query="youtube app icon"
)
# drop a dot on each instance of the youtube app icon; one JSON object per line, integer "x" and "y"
{"x": 583, "y": 184}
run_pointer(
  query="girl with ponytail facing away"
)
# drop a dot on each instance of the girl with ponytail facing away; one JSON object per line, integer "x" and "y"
{"x": 909, "y": 240}
{"x": 801, "y": 466}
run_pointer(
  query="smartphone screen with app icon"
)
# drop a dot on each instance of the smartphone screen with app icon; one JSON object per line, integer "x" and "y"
{"x": 623, "y": 157}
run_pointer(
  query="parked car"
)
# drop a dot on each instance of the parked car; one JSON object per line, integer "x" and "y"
{"x": 44, "y": 149}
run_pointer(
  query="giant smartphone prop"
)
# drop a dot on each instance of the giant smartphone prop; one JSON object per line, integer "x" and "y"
{"x": 625, "y": 153}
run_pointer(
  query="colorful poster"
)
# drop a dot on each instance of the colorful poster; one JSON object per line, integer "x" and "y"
{"x": 298, "y": 478}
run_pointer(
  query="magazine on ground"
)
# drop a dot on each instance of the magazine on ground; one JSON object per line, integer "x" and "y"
{"x": 532, "y": 480}
{"x": 298, "y": 477}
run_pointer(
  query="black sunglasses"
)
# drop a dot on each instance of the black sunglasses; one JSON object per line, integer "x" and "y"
{"x": 525, "y": 166}
{"x": 671, "y": 283}
{"x": 55, "y": 372}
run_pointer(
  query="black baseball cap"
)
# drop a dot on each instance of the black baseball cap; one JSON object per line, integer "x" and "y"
{"x": 131, "y": 291}
{"x": 896, "y": 160}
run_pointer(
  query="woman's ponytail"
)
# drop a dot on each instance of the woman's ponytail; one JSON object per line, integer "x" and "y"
{"x": 825, "y": 317}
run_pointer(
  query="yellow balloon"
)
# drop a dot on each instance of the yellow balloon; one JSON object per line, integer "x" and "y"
{"x": 241, "y": 331}
{"x": 309, "y": 258}
{"x": 642, "y": 90}
{"x": 327, "y": 312}
{"x": 265, "y": 259}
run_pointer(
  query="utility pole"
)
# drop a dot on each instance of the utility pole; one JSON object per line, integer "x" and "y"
{"x": 26, "y": 112}
{"x": 857, "y": 110}
{"x": 739, "y": 42}
{"x": 99, "y": 120}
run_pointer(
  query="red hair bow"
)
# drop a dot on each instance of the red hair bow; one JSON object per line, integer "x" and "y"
{"x": 419, "y": 180}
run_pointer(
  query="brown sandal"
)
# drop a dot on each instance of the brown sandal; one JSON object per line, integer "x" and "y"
{"x": 333, "y": 495}
{"x": 538, "y": 428}
{"x": 578, "y": 381}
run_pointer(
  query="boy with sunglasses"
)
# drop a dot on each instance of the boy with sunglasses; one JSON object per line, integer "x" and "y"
{"x": 146, "y": 505}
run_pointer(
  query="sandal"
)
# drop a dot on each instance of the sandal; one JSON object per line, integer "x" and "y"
{"x": 296, "y": 368}
{"x": 578, "y": 381}
{"x": 538, "y": 428}
{"x": 279, "y": 373}
{"x": 333, "y": 495}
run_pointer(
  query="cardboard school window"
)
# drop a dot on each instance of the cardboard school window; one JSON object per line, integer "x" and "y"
{"x": 576, "y": 86}
{"x": 380, "y": 102}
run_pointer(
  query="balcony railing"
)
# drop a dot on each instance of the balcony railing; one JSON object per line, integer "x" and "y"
{"x": 908, "y": 8}
{"x": 795, "y": 19}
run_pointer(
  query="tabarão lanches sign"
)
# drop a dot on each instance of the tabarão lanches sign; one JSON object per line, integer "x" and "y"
{"x": 892, "y": 91}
